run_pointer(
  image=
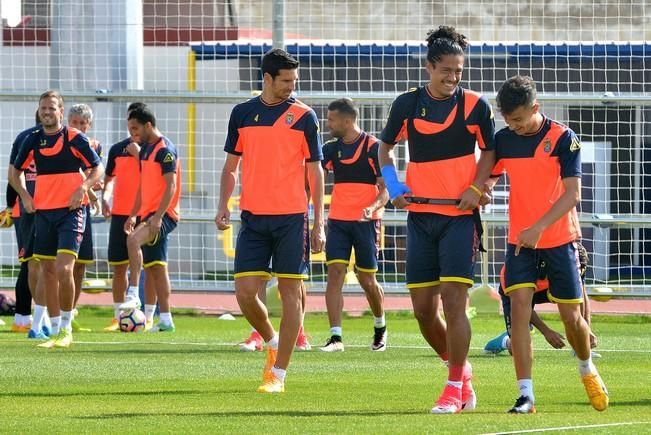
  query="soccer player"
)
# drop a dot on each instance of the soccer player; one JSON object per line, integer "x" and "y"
{"x": 24, "y": 227}
{"x": 276, "y": 137}
{"x": 542, "y": 160}
{"x": 80, "y": 116}
{"x": 354, "y": 220}
{"x": 503, "y": 341}
{"x": 157, "y": 205}
{"x": 443, "y": 122}
{"x": 121, "y": 183}
{"x": 59, "y": 154}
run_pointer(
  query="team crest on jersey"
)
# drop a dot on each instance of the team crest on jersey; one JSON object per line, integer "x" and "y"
{"x": 548, "y": 145}
{"x": 257, "y": 118}
{"x": 168, "y": 158}
{"x": 575, "y": 145}
{"x": 289, "y": 118}
{"x": 43, "y": 143}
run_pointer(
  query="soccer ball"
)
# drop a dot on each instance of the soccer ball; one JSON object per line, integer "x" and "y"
{"x": 132, "y": 321}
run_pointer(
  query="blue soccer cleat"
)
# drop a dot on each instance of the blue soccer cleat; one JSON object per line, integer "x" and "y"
{"x": 33, "y": 335}
{"x": 496, "y": 345}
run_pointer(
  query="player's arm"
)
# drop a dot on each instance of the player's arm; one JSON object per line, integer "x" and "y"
{"x": 482, "y": 118}
{"x": 16, "y": 176}
{"x": 568, "y": 152}
{"x": 556, "y": 340}
{"x": 226, "y": 187}
{"x": 392, "y": 133}
{"x": 379, "y": 202}
{"x": 317, "y": 186}
{"x": 107, "y": 193}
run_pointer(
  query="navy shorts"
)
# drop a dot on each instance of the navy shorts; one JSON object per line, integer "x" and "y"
{"x": 117, "y": 243}
{"x": 562, "y": 266}
{"x": 24, "y": 226}
{"x": 363, "y": 236}
{"x": 86, "y": 255}
{"x": 440, "y": 249}
{"x": 58, "y": 230}
{"x": 155, "y": 252}
{"x": 281, "y": 239}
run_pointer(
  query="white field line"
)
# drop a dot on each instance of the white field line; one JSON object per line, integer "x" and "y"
{"x": 589, "y": 426}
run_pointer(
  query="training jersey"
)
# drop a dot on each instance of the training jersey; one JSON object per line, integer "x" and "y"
{"x": 274, "y": 141}
{"x": 156, "y": 160}
{"x": 30, "y": 172}
{"x": 536, "y": 165}
{"x": 441, "y": 136}
{"x": 125, "y": 169}
{"x": 59, "y": 159}
{"x": 355, "y": 167}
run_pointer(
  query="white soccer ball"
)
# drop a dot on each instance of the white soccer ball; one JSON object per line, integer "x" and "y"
{"x": 132, "y": 321}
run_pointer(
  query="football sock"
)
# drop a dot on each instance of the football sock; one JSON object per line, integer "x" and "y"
{"x": 166, "y": 318}
{"x": 379, "y": 322}
{"x": 116, "y": 310}
{"x": 273, "y": 343}
{"x": 586, "y": 367}
{"x": 66, "y": 320}
{"x": 526, "y": 388}
{"x": 149, "y": 312}
{"x": 279, "y": 373}
{"x": 336, "y": 330}
{"x": 56, "y": 325}
{"x": 39, "y": 315}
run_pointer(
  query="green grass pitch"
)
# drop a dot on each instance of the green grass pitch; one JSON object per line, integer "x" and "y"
{"x": 196, "y": 381}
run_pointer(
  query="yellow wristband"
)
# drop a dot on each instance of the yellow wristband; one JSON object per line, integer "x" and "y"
{"x": 476, "y": 189}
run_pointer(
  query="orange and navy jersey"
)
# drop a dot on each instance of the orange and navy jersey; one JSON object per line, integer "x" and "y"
{"x": 441, "y": 135}
{"x": 59, "y": 159}
{"x": 542, "y": 283}
{"x": 30, "y": 172}
{"x": 156, "y": 160}
{"x": 536, "y": 165}
{"x": 125, "y": 168}
{"x": 356, "y": 169}
{"x": 97, "y": 147}
{"x": 274, "y": 142}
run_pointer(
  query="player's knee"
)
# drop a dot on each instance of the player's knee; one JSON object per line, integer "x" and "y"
{"x": 367, "y": 282}
{"x": 572, "y": 319}
{"x": 337, "y": 271}
{"x": 64, "y": 271}
{"x": 424, "y": 314}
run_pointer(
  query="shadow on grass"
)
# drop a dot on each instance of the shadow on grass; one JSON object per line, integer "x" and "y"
{"x": 256, "y": 413}
{"x": 119, "y": 393}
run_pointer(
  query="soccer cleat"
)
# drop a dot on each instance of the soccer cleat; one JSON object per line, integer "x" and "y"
{"x": 334, "y": 344}
{"x": 272, "y": 385}
{"x": 130, "y": 303}
{"x": 267, "y": 374}
{"x": 64, "y": 339}
{"x": 449, "y": 402}
{"x": 33, "y": 335}
{"x": 468, "y": 396}
{"x": 523, "y": 405}
{"x": 20, "y": 328}
{"x": 48, "y": 344}
{"x": 76, "y": 327}
{"x": 596, "y": 389}
{"x": 114, "y": 326}
{"x": 149, "y": 324}
{"x": 162, "y": 327}
{"x": 496, "y": 345}
{"x": 301, "y": 342}
{"x": 379, "y": 339}
{"x": 254, "y": 343}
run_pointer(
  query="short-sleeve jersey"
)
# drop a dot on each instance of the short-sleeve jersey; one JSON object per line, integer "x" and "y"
{"x": 274, "y": 142}
{"x": 59, "y": 159}
{"x": 355, "y": 167}
{"x": 441, "y": 136}
{"x": 536, "y": 165}
{"x": 156, "y": 160}
{"x": 30, "y": 172}
{"x": 125, "y": 168}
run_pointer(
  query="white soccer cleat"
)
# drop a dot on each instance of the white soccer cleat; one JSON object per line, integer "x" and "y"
{"x": 131, "y": 303}
{"x": 334, "y": 344}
